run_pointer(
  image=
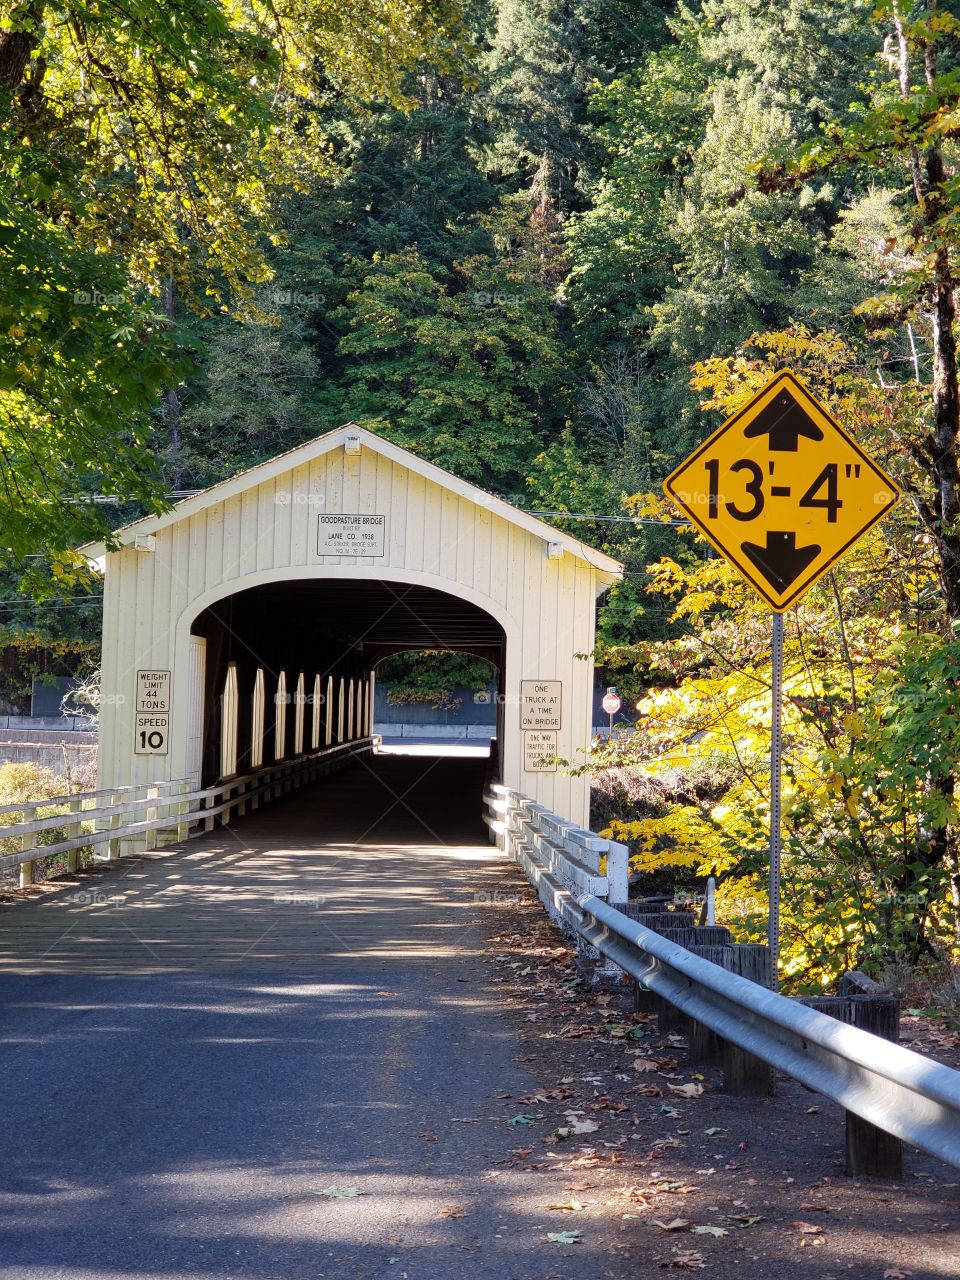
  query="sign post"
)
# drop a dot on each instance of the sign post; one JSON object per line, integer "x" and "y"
{"x": 776, "y": 796}
{"x": 611, "y": 704}
{"x": 782, "y": 492}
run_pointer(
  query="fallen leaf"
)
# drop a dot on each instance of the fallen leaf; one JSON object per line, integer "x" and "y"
{"x": 644, "y": 1064}
{"x": 894, "y": 1273}
{"x": 340, "y": 1193}
{"x": 710, "y": 1231}
{"x": 691, "y": 1090}
{"x": 564, "y": 1237}
{"x": 521, "y": 1119}
{"x": 453, "y": 1211}
{"x": 807, "y": 1228}
{"x": 710, "y": 1132}
{"x": 676, "y": 1224}
{"x": 746, "y": 1219}
{"x": 686, "y": 1260}
{"x": 570, "y": 1206}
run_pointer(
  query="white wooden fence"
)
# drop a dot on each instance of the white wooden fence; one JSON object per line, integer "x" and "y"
{"x": 143, "y": 817}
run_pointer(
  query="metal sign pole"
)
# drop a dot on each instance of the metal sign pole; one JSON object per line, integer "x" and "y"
{"x": 776, "y": 784}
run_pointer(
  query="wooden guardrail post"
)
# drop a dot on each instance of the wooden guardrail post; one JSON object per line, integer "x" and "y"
{"x": 183, "y": 810}
{"x": 618, "y": 872}
{"x": 113, "y": 823}
{"x": 153, "y": 810}
{"x": 27, "y": 843}
{"x": 870, "y": 1152}
{"x": 644, "y": 1000}
{"x": 744, "y": 1074}
{"x": 73, "y": 833}
{"x": 705, "y": 1047}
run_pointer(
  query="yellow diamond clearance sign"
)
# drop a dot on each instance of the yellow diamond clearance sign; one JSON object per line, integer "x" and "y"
{"x": 782, "y": 491}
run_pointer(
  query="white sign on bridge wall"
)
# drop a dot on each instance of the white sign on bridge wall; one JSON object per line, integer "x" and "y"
{"x": 540, "y": 704}
{"x": 539, "y": 749}
{"x": 351, "y": 535}
{"x": 151, "y": 734}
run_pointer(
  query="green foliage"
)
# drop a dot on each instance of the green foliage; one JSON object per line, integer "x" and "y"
{"x": 433, "y": 675}
{"x": 144, "y": 144}
{"x": 456, "y": 376}
{"x": 256, "y": 396}
{"x": 49, "y": 626}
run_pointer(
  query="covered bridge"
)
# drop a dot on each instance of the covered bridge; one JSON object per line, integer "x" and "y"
{"x": 245, "y": 625}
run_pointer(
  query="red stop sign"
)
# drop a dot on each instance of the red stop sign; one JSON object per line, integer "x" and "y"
{"x": 611, "y": 703}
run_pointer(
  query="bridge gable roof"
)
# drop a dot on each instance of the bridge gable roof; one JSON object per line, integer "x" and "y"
{"x": 287, "y": 462}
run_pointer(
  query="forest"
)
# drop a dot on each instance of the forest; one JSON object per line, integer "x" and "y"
{"x": 550, "y": 247}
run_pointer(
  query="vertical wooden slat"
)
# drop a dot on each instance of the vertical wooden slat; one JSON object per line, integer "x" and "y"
{"x": 280, "y": 718}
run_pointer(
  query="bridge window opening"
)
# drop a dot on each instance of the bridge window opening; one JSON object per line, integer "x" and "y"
{"x": 280, "y": 718}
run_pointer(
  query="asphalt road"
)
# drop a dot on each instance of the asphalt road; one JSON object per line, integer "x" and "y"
{"x": 181, "y": 1113}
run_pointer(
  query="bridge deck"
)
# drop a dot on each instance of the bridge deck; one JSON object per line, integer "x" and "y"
{"x": 381, "y": 861}
{"x": 297, "y": 1004}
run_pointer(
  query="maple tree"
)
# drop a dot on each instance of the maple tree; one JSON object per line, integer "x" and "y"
{"x": 871, "y": 715}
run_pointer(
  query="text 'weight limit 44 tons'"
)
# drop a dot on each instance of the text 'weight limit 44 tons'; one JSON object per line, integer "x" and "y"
{"x": 782, "y": 491}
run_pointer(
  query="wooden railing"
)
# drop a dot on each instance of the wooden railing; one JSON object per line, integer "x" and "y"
{"x": 132, "y": 819}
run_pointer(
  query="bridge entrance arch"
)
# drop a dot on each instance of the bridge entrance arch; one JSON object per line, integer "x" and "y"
{"x": 244, "y": 625}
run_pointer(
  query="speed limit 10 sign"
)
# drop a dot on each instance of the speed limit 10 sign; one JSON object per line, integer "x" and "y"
{"x": 152, "y": 724}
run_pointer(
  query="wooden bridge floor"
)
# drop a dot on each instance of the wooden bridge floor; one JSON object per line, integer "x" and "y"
{"x": 379, "y": 861}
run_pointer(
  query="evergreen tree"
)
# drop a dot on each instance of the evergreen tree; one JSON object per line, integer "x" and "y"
{"x": 458, "y": 375}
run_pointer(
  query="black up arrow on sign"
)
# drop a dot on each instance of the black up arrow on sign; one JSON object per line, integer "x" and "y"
{"x": 782, "y": 491}
{"x": 784, "y": 422}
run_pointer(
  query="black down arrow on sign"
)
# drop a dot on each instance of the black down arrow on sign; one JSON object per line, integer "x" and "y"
{"x": 781, "y": 561}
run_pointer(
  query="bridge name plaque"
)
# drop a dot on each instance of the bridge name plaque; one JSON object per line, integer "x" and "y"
{"x": 351, "y": 534}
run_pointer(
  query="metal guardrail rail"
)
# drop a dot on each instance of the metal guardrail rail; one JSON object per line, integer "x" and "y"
{"x": 140, "y": 815}
{"x": 899, "y": 1091}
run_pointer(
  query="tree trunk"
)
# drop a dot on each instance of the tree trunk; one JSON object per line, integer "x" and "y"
{"x": 929, "y": 175}
{"x": 17, "y": 43}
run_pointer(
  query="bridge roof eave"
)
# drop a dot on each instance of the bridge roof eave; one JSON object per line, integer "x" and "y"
{"x": 608, "y": 569}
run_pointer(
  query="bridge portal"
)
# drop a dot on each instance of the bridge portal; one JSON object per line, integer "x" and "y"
{"x": 244, "y": 626}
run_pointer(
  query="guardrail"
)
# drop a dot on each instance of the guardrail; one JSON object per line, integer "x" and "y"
{"x": 141, "y": 815}
{"x": 890, "y": 1087}
{"x": 551, "y": 849}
